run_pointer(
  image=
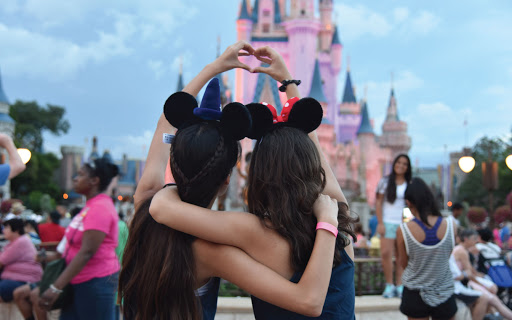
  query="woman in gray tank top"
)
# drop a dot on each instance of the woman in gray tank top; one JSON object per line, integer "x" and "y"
{"x": 424, "y": 247}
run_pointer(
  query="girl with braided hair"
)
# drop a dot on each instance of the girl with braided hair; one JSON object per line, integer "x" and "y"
{"x": 287, "y": 173}
{"x": 162, "y": 266}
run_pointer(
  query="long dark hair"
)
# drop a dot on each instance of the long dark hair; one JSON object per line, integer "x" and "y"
{"x": 285, "y": 179}
{"x": 391, "y": 188}
{"x": 420, "y": 196}
{"x": 158, "y": 276}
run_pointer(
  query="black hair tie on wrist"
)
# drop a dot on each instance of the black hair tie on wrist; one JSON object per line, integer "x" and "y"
{"x": 285, "y": 83}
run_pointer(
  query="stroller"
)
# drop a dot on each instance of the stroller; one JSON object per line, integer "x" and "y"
{"x": 500, "y": 273}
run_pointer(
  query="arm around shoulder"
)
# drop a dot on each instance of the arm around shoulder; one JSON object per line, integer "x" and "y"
{"x": 306, "y": 297}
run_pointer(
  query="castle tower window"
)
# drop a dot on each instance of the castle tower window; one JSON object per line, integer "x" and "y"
{"x": 266, "y": 13}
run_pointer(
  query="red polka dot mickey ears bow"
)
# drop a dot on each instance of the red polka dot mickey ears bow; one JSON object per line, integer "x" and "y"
{"x": 283, "y": 117}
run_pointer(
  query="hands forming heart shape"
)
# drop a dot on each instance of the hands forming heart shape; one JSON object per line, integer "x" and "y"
{"x": 277, "y": 68}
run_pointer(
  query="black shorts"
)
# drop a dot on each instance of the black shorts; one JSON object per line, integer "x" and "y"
{"x": 413, "y": 306}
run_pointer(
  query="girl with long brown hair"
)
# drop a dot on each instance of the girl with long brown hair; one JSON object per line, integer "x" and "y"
{"x": 288, "y": 172}
{"x": 161, "y": 266}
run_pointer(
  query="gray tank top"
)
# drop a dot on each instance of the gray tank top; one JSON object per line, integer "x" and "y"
{"x": 428, "y": 269}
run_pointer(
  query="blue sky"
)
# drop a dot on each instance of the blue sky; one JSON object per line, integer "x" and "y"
{"x": 113, "y": 63}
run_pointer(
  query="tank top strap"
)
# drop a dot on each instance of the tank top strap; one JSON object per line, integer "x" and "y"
{"x": 438, "y": 223}
{"x": 421, "y": 224}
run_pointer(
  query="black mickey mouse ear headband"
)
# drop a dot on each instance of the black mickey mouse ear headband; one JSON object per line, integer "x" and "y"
{"x": 304, "y": 114}
{"x": 181, "y": 110}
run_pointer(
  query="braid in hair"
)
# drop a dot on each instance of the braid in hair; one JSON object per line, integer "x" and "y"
{"x": 214, "y": 153}
{"x": 211, "y": 163}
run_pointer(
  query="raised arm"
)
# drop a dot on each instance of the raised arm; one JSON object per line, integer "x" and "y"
{"x": 278, "y": 71}
{"x": 153, "y": 177}
{"x": 15, "y": 163}
{"x": 305, "y": 297}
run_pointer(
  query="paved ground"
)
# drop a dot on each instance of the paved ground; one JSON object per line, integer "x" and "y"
{"x": 367, "y": 308}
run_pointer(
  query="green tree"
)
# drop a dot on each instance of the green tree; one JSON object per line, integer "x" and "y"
{"x": 472, "y": 189}
{"x": 32, "y": 120}
{"x": 38, "y": 179}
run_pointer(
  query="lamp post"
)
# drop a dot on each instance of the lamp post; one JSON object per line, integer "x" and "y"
{"x": 489, "y": 175}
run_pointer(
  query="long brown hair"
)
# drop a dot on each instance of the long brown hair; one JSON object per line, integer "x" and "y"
{"x": 285, "y": 179}
{"x": 159, "y": 273}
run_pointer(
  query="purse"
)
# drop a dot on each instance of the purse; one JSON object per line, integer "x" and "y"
{"x": 51, "y": 273}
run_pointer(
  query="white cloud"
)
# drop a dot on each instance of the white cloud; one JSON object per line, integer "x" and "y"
{"x": 34, "y": 54}
{"x": 157, "y": 66}
{"x": 358, "y": 20}
{"x": 136, "y": 146}
{"x": 400, "y": 14}
{"x": 496, "y": 90}
{"x": 424, "y": 23}
{"x": 35, "y": 49}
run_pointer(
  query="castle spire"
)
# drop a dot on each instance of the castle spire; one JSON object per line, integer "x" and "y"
{"x": 348, "y": 93}
{"x": 3, "y": 97}
{"x": 392, "y": 112}
{"x": 244, "y": 13}
{"x": 335, "y": 36}
{"x": 317, "y": 91}
{"x": 94, "y": 152}
{"x": 255, "y": 10}
{"x": 180, "y": 85}
{"x": 365, "y": 126}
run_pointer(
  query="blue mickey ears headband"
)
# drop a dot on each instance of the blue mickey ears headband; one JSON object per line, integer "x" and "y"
{"x": 181, "y": 110}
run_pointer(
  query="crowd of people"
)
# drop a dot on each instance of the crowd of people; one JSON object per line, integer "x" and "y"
{"x": 293, "y": 251}
{"x": 90, "y": 239}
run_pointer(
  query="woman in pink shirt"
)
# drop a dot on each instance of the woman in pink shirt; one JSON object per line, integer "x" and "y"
{"x": 18, "y": 260}
{"x": 92, "y": 264}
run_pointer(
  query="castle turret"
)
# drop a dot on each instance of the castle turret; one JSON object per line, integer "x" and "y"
{"x": 336, "y": 47}
{"x": 69, "y": 165}
{"x": 244, "y": 29}
{"x": 348, "y": 118}
{"x": 6, "y": 122}
{"x": 365, "y": 127}
{"x": 327, "y": 31}
{"x": 394, "y": 131}
{"x": 317, "y": 92}
{"x": 302, "y": 32}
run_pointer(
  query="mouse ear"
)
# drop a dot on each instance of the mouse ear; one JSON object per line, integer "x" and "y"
{"x": 306, "y": 115}
{"x": 179, "y": 109}
{"x": 236, "y": 120}
{"x": 262, "y": 120}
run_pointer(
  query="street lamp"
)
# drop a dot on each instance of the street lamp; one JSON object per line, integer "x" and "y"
{"x": 467, "y": 163}
{"x": 25, "y": 155}
{"x": 508, "y": 161}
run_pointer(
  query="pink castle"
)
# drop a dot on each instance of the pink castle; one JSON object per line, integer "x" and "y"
{"x": 312, "y": 50}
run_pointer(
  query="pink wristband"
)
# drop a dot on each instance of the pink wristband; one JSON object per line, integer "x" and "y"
{"x": 327, "y": 226}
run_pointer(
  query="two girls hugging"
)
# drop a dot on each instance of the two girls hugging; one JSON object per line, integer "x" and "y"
{"x": 287, "y": 253}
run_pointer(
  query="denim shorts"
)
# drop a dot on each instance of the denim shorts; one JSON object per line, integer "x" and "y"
{"x": 93, "y": 299}
{"x": 7, "y": 287}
